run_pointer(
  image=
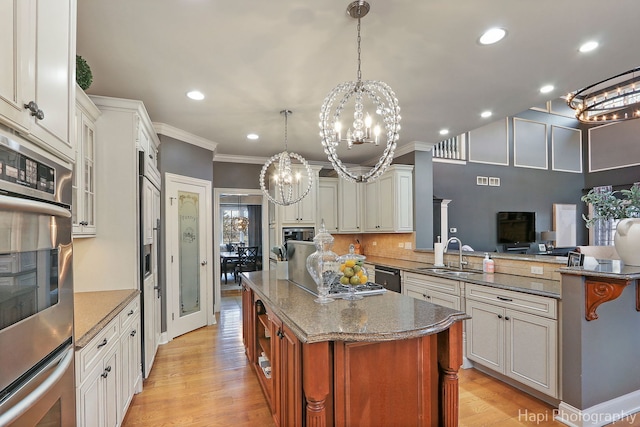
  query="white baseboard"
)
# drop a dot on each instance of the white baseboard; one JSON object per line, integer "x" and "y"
{"x": 466, "y": 363}
{"x": 601, "y": 414}
{"x": 164, "y": 338}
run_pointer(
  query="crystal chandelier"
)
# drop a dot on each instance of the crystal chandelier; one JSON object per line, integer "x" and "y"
{"x": 240, "y": 223}
{"x": 284, "y": 177}
{"x": 366, "y": 128}
{"x": 612, "y": 100}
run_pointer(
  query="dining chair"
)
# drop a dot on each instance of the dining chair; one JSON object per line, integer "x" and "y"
{"x": 247, "y": 259}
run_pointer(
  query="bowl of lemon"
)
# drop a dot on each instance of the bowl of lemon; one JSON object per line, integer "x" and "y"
{"x": 352, "y": 272}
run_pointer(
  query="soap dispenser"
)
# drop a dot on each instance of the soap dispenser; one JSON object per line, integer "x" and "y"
{"x": 487, "y": 264}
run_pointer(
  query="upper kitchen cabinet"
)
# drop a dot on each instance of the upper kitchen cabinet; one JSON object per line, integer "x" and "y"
{"x": 328, "y": 203}
{"x": 350, "y": 195}
{"x": 37, "y": 78}
{"x": 303, "y": 212}
{"x": 389, "y": 201}
{"x": 83, "y": 209}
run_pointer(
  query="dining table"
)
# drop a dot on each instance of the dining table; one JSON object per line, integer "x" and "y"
{"x": 225, "y": 258}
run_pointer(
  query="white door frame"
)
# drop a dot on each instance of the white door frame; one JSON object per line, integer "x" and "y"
{"x": 170, "y": 224}
{"x": 217, "y": 192}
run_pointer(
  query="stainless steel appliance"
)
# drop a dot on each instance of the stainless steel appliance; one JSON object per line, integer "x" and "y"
{"x": 304, "y": 234}
{"x": 389, "y": 278}
{"x": 36, "y": 289}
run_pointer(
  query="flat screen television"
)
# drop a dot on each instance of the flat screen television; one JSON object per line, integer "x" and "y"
{"x": 516, "y": 227}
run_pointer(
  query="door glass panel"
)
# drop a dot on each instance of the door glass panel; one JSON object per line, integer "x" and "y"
{"x": 189, "y": 252}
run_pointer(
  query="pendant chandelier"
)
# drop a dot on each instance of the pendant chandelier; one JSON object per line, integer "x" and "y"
{"x": 240, "y": 223}
{"x": 368, "y": 127}
{"x": 615, "y": 99}
{"x": 285, "y": 178}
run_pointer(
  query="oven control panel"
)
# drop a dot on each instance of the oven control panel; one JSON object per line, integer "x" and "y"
{"x": 20, "y": 169}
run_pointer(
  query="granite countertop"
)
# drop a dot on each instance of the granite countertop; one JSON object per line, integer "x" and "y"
{"x": 511, "y": 282}
{"x": 92, "y": 311}
{"x": 608, "y": 268}
{"x": 385, "y": 317}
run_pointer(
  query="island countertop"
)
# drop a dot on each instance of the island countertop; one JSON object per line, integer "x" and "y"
{"x": 385, "y": 317}
{"x": 606, "y": 268}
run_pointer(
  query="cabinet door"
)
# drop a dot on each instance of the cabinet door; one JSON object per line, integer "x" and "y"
{"x": 54, "y": 84}
{"x": 130, "y": 363}
{"x": 371, "y": 221}
{"x": 111, "y": 384}
{"x": 290, "y": 372}
{"x": 532, "y": 347}
{"x": 414, "y": 291}
{"x": 445, "y": 300}
{"x": 485, "y": 335}
{"x": 84, "y": 186}
{"x": 90, "y": 400}
{"x": 14, "y": 71}
{"x": 328, "y": 203}
{"x": 349, "y": 206}
{"x": 386, "y": 203}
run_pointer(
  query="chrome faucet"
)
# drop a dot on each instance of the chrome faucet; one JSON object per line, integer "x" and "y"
{"x": 446, "y": 246}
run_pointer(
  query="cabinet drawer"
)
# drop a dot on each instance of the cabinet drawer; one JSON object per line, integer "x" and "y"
{"x": 93, "y": 353}
{"x": 534, "y": 304}
{"x": 431, "y": 282}
{"x": 129, "y": 313}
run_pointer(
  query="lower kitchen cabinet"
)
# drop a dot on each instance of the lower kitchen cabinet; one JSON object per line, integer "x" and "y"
{"x": 506, "y": 336}
{"x": 436, "y": 290}
{"x": 275, "y": 354}
{"x": 108, "y": 371}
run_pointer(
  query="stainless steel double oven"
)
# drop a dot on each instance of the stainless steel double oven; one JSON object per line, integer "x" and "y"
{"x": 36, "y": 288}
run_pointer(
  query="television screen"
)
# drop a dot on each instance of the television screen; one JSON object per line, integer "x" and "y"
{"x": 516, "y": 227}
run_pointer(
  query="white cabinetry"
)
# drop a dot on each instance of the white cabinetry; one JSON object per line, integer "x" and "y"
{"x": 389, "y": 201}
{"x": 436, "y": 290}
{"x": 37, "y": 87}
{"x": 514, "y": 334}
{"x": 130, "y": 351}
{"x": 350, "y": 200}
{"x": 303, "y": 212}
{"x": 84, "y": 172}
{"x": 328, "y": 203}
{"x": 108, "y": 371}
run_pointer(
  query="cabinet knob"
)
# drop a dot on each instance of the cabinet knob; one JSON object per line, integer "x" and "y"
{"x": 506, "y": 317}
{"x": 133, "y": 333}
{"x": 499, "y": 316}
{"x": 103, "y": 343}
{"x": 35, "y": 111}
{"x": 203, "y": 263}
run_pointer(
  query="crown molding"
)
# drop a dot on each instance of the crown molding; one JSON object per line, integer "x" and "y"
{"x": 181, "y": 135}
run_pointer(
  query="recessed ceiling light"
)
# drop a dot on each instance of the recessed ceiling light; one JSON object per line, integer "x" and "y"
{"x": 588, "y": 46}
{"x": 444, "y": 131}
{"x": 546, "y": 89}
{"x": 492, "y": 35}
{"x": 486, "y": 114}
{"x": 253, "y": 136}
{"x": 196, "y": 95}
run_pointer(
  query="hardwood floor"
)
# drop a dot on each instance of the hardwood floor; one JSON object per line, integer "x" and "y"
{"x": 203, "y": 379}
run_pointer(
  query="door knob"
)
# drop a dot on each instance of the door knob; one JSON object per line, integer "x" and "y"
{"x": 203, "y": 263}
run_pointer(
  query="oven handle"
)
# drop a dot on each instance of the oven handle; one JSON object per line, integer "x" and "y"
{"x": 25, "y": 404}
{"x": 393, "y": 273}
{"x": 26, "y": 205}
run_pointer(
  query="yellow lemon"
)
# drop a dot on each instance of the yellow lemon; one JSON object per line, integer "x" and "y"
{"x": 342, "y": 267}
{"x": 364, "y": 279}
{"x": 350, "y": 263}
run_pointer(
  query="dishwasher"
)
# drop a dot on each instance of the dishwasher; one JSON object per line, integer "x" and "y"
{"x": 389, "y": 278}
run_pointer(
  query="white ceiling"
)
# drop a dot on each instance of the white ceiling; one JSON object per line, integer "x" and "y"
{"x": 253, "y": 58}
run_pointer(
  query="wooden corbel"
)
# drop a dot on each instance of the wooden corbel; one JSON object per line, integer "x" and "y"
{"x": 599, "y": 291}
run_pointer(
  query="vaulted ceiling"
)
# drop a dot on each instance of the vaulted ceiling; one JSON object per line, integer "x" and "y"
{"x": 253, "y": 58}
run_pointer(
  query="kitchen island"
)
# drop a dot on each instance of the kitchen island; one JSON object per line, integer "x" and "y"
{"x": 383, "y": 360}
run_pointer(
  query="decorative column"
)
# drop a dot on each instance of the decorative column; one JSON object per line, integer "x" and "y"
{"x": 449, "y": 361}
{"x": 315, "y": 381}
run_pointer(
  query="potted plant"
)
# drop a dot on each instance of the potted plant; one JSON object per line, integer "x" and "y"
{"x": 622, "y": 206}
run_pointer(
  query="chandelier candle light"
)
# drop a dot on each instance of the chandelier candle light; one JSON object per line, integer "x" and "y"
{"x": 612, "y": 100}
{"x": 284, "y": 178}
{"x": 363, "y": 129}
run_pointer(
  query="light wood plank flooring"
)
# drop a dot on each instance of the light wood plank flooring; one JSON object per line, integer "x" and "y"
{"x": 203, "y": 379}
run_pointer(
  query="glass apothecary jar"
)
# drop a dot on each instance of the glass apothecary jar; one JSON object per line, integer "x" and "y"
{"x": 352, "y": 272}
{"x": 322, "y": 264}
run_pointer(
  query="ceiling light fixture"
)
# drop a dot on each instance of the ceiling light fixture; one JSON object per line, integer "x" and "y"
{"x": 546, "y": 89}
{"x": 195, "y": 95}
{"x": 588, "y": 46}
{"x": 615, "y": 99}
{"x": 240, "y": 222}
{"x": 492, "y": 35}
{"x": 253, "y": 136}
{"x": 444, "y": 131}
{"x": 284, "y": 178}
{"x": 379, "y": 97}
{"x": 486, "y": 114}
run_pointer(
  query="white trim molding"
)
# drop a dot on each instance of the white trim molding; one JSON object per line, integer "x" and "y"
{"x": 601, "y": 414}
{"x": 184, "y": 136}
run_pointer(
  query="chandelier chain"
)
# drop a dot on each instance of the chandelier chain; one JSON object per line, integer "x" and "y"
{"x": 359, "y": 50}
{"x": 286, "y": 143}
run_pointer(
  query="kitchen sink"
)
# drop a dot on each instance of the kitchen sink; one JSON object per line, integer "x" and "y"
{"x": 444, "y": 271}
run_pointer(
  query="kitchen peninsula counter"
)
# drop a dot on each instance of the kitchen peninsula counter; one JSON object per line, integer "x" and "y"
{"x": 383, "y": 360}
{"x": 92, "y": 311}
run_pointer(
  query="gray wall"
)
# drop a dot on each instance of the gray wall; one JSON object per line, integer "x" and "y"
{"x": 236, "y": 175}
